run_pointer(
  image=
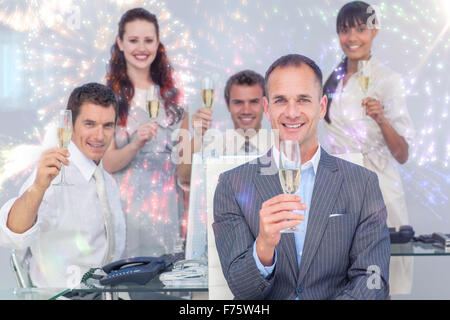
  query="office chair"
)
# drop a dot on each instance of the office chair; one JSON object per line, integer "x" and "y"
{"x": 217, "y": 285}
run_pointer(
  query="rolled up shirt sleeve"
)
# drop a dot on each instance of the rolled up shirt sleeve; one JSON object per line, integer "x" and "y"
{"x": 11, "y": 239}
{"x": 266, "y": 272}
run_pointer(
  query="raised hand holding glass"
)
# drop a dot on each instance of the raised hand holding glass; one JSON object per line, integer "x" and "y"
{"x": 64, "y": 136}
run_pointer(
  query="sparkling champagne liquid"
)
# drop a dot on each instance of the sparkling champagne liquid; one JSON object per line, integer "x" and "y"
{"x": 364, "y": 83}
{"x": 208, "y": 97}
{"x": 64, "y": 136}
{"x": 290, "y": 180}
{"x": 153, "y": 108}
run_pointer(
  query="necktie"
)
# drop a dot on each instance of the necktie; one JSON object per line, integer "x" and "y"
{"x": 107, "y": 215}
{"x": 248, "y": 147}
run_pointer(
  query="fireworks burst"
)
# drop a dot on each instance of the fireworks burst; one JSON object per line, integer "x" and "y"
{"x": 67, "y": 43}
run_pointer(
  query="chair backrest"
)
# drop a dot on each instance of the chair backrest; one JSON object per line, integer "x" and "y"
{"x": 196, "y": 237}
{"x": 18, "y": 260}
{"x": 217, "y": 285}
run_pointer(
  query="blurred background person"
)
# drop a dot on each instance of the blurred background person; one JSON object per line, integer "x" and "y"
{"x": 243, "y": 95}
{"x": 140, "y": 154}
{"x": 367, "y": 120}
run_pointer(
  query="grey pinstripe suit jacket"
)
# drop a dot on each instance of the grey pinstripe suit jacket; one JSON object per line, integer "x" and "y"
{"x": 346, "y": 238}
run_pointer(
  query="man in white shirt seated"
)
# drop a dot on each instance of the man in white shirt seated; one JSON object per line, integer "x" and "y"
{"x": 70, "y": 229}
{"x": 244, "y": 92}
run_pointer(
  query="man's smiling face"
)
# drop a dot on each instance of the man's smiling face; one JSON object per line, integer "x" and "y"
{"x": 93, "y": 130}
{"x": 294, "y": 104}
{"x": 246, "y": 106}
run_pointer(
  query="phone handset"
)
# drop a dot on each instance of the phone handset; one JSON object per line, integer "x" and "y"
{"x": 138, "y": 270}
{"x": 127, "y": 262}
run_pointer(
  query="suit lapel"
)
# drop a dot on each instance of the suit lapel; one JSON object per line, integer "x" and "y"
{"x": 267, "y": 183}
{"x": 326, "y": 188}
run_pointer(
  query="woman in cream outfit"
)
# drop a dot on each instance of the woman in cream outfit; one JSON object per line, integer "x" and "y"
{"x": 372, "y": 129}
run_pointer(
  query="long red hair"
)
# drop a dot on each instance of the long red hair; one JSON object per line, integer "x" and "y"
{"x": 161, "y": 72}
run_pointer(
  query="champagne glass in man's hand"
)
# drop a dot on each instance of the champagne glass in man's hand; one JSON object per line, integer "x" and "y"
{"x": 207, "y": 92}
{"x": 208, "y": 100}
{"x": 64, "y": 137}
{"x": 290, "y": 170}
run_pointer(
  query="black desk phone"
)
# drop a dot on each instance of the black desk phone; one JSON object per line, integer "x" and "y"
{"x": 403, "y": 235}
{"x": 139, "y": 270}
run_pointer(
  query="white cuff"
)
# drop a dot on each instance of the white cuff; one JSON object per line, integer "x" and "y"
{"x": 11, "y": 239}
{"x": 265, "y": 271}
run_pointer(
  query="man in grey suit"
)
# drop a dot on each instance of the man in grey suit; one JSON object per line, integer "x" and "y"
{"x": 344, "y": 250}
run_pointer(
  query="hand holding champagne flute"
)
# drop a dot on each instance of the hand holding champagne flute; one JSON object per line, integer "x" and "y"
{"x": 152, "y": 105}
{"x": 64, "y": 137}
{"x": 290, "y": 173}
{"x": 202, "y": 118}
{"x": 208, "y": 100}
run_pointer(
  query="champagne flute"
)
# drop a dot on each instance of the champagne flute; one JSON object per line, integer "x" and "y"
{"x": 363, "y": 79}
{"x": 207, "y": 92}
{"x": 208, "y": 99}
{"x": 290, "y": 173}
{"x": 152, "y": 105}
{"x": 64, "y": 137}
{"x": 152, "y": 102}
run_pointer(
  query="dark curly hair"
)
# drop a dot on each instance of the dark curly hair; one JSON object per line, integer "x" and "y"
{"x": 161, "y": 72}
{"x": 95, "y": 93}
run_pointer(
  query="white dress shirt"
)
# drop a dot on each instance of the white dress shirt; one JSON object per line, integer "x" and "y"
{"x": 351, "y": 131}
{"x": 69, "y": 235}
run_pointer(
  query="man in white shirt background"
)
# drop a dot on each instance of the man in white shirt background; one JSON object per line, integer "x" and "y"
{"x": 243, "y": 94}
{"x": 72, "y": 227}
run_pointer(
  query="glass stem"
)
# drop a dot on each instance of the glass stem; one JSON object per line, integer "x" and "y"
{"x": 63, "y": 174}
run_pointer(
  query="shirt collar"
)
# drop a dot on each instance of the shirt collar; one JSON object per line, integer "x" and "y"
{"x": 313, "y": 162}
{"x": 85, "y": 165}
